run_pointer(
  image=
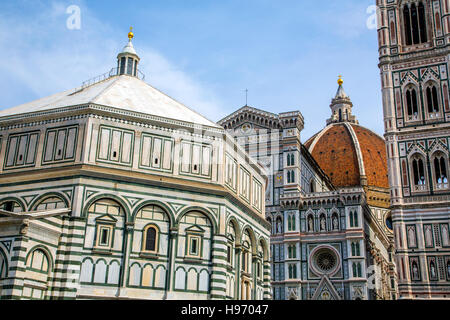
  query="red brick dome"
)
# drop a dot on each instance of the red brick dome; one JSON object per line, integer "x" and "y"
{"x": 350, "y": 155}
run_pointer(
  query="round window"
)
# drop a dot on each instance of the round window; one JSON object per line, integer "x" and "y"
{"x": 326, "y": 260}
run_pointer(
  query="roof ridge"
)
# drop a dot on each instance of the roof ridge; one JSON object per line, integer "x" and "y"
{"x": 104, "y": 90}
{"x": 182, "y": 104}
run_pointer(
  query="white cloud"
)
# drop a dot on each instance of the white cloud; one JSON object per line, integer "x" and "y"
{"x": 43, "y": 57}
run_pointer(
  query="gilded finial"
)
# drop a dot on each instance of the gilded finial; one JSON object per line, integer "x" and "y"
{"x": 131, "y": 34}
{"x": 340, "y": 81}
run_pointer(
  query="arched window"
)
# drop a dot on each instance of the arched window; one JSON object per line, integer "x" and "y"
{"x": 440, "y": 171}
{"x": 411, "y": 103}
{"x": 414, "y": 22}
{"x": 231, "y": 236}
{"x": 151, "y": 239}
{"x": 292, "y": 251}
{"x": 418, "y": 172}
{"x": 354, "y": 219}
{"x": 3, "y": 266}
{"x": 51, "y": 203}
{"x": 292, "y": 271}
{"x": 108, "y": 216}
{"x": 407, "y": 25}
{"x": 291, "y": 222}
{"x": 357, "y": 270}
{"x": 11, "y": 206}
{"x": 422, "y": 23}
{"x": 311, "y": 186}
{"x": 432, "y": 99}
{"x": 38, "y": 262}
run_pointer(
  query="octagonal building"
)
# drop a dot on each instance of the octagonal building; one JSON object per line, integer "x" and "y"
{"x": 116, "y": 191}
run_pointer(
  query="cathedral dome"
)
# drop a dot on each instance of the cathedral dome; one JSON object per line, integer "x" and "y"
{"x": 349, "y": 154}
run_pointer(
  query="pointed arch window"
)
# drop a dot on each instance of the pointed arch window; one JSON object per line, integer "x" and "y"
{"x": 432, "y": 99}
{"x": 412, "y": 105}
{"x": 311, "y": 186}
{"x": 414, "y": 23}
{"x": 418, "y": 172}
{"x": 440, "y": 171}
{"x": 407, "y": 25}
{"x": 292, "y": 251}
{"x": 291, "y": 222}
{"x": 356, "y": 252}
{"x": 292, "y": 271}
{"x": 357, "y": 270}
{"x": 354, "y": 219}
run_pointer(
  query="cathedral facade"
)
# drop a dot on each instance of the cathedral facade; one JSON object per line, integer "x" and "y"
{"x": 414, "y": 43}
{"x": 327, "y": 201}
{"x": 116, "y": 191}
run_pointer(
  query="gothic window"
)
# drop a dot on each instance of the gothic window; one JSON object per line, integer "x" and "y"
{"x": 354, "y": 219}
{"x": 291, "y": 222}
{"x": 411, "y": 103}
{"x": 432, "y": 99}
{"x": 311, "y": 186}
{"x": 440, "y": 171}
{"x": 291, "y": 177}
{"x": 3, "y": 265}
{"x": 414, "y": 22}
{"x": 292, "y": 254}
{"x": 357, "y": 270}
{"x": 292, "y": 271}
{"x": 418, "y": 171}
{"x": 356, "y": 252}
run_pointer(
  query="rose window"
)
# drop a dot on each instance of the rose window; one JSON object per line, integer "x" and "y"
{"x": 326, "y": 260}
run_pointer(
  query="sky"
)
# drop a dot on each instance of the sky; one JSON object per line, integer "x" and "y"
{"x": 203, "y": 53}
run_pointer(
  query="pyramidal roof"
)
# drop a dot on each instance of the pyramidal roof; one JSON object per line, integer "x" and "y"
{"x": 120, "y": 92}
{"x": 124, "y": 91}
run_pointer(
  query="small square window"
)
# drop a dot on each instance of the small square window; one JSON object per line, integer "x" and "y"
{"x": 194, "y": 248}
{"x": 104, "y": 236}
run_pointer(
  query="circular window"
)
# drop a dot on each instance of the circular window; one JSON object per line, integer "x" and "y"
{"x": 326, "y": 260}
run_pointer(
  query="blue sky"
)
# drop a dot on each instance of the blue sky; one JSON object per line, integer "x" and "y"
{"x": 204, "y": 53}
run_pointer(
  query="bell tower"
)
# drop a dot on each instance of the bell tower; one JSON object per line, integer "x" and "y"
{"x": 414, "y": 50}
